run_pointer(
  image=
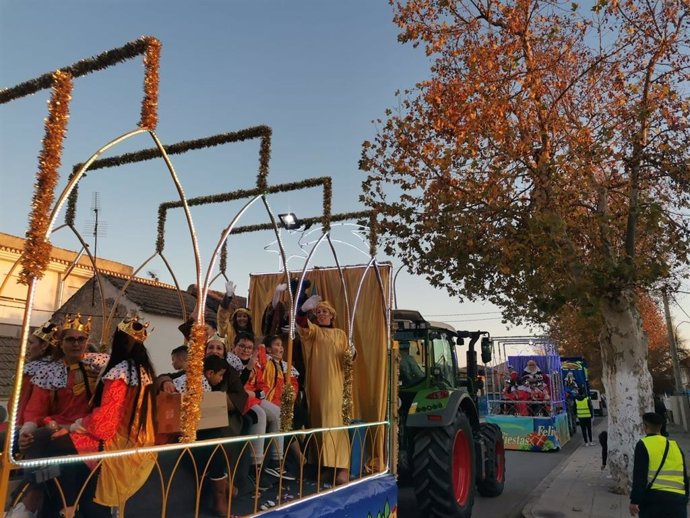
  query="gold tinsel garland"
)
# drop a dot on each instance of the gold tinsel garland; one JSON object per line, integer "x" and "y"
{"x": 239, "y": 194}
{"x": 261, "y": 132}
{"x": 287, "y": 407}
{"x": 327, "y": 198}
{"x": 80, "y": 68}
{"x": 191, "y": 402}
{"x": 37, "y": 248}
{"x": 348, "y": 368}
{"x": 149, "y": 105}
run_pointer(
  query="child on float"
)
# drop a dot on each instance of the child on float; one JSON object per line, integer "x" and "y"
{"x": 232, "y": 322}
{"x": 275, "y": 374}
{"x": 215, "y": 368}
{"x": 266, "y": 415}
{"x": 275, "y": 370}
{"x": 244, "y": 470}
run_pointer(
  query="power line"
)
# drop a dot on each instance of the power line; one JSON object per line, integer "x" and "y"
{"x": 463, "y": 314}
{"x": 473, "y": 320}
{"x": 681, "y": 307}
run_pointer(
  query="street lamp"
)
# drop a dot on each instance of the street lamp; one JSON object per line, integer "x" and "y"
{"x": 675, "y": 331}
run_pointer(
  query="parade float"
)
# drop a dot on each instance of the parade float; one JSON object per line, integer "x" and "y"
{"x": 526, "y": 396}
{"x": 439, "y": 408}
{"x": 360, "y": 293}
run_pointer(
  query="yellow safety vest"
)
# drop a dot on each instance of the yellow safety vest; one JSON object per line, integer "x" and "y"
{"x": 671, "y": 477}
{"x": 583, "y": 407}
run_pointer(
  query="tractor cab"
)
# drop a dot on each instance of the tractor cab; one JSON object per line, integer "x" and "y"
{"x": 427, "y": 352}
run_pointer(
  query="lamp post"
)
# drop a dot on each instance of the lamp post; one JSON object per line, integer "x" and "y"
{"x": 679, "y": 389}
{"x": 675, "y": 332}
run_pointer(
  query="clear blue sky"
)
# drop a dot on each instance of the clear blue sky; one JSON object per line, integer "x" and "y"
{"x": 317, "y": 72}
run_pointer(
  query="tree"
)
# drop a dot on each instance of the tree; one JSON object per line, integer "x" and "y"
{"x": 544, "y": 163}
{"x": 576, "y": 333}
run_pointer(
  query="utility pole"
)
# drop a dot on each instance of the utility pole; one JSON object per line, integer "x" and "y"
{"x": 680, "y": 390}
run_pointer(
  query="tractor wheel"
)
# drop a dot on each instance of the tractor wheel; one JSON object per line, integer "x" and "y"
{"x": 444, "y": 467}
{"x": 495, "y": 462}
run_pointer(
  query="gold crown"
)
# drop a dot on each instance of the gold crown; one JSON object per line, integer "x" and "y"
{"x": 134, "y": 328}
{"x": 216, "y": 338}
{"x": 46, "y": 332}
{"x": 75, "y": 323}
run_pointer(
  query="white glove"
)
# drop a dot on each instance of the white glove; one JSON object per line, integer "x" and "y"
{"x": 230, "y": 288}
{"x": 278, "y": 293}
{"x": 77, "y": 427}
{"x": 311, "y": 303}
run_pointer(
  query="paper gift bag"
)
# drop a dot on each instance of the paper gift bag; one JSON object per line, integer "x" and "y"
{"x": 214, "y": 410}
{"x": 168, "y": 407}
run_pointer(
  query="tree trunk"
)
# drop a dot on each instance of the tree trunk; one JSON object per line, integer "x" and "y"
{"x": 627, "y": 382}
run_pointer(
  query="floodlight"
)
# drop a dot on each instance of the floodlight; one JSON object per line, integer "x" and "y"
{"x": 289, "y": 221}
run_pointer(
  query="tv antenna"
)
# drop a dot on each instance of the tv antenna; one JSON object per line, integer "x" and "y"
{"x": 96, "y": 228}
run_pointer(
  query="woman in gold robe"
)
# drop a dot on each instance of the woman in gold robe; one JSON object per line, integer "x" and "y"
{"x": 325, "y": 348}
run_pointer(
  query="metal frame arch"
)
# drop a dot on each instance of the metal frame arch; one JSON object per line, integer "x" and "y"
{"x": 73, "y": 181}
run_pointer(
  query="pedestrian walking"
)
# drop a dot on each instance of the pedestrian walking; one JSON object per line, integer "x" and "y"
{"x": 660, "y": 480}
{"x": 584, "y": 414}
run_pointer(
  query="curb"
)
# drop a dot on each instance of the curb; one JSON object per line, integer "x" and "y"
{"x": 535, "y": 495}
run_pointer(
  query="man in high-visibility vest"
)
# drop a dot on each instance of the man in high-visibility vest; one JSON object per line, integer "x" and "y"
{"x": 660, "y": 480}
{"x": 584, "y": 409}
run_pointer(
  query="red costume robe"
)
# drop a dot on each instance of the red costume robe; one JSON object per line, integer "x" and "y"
{"x": 59, "y": 393}
{"x": 30, "y": 369}
{"x": 107, "y": 428}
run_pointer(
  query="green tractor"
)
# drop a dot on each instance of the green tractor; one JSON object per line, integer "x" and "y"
{"x": 444, "y": 450}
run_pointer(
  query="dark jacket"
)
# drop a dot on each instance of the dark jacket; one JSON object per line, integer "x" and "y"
{"x": 639, "y": 494}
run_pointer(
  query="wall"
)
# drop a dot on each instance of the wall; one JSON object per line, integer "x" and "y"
{"x": 51, "y": 291}
{"x": 163, "y": 338}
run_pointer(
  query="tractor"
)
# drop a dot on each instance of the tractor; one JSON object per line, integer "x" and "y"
{"x": 445, "y": 452}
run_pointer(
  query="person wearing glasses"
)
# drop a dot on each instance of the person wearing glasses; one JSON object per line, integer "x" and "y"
{"x": 58, "y": 395}
{"x": 263, "y": 415}
{"x": 121, "y": 418}
{"x": 61, "y": 390}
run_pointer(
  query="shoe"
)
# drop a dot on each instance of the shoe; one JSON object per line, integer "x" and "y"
{"x": 220, "y": 496}
{"x": 279, "y": 473}
{"x": 592, "y": 444}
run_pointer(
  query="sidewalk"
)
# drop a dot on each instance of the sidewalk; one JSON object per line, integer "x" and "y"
{"x": 577, "y": 488}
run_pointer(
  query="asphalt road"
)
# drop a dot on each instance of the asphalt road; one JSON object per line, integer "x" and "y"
{"x": 524, "y": 472}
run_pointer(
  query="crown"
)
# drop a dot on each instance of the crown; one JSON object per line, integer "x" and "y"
{"x": 134, "y": 328}
{"x": 216, "y": 338}
{"x": 46, "y": 332}
{"x": 74, "y": 322}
